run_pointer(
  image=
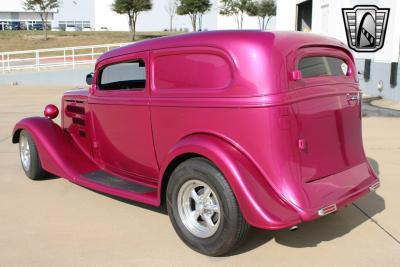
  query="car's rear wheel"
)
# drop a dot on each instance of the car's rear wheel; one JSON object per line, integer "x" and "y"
{"x": 203, "y": 208}
{"x": 29, "y": 157}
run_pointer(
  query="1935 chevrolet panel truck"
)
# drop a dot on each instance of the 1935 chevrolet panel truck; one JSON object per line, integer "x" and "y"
{"x": 230, "y": 129}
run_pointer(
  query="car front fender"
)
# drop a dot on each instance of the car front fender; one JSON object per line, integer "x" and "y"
{"x": 57, "y": 151}
{"x": 259, "y": 203}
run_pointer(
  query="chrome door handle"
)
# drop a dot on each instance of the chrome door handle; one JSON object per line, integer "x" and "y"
{"x": 351, "y": 97}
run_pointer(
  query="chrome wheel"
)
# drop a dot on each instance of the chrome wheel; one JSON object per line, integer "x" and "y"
{"x": 25, "y": 152}
{"x": 199, "y": 208}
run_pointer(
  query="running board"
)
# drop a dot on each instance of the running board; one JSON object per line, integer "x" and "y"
{"x": 106, "y": 179}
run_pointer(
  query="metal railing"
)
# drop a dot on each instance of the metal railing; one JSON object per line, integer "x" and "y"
{"x": 54, "y": 57}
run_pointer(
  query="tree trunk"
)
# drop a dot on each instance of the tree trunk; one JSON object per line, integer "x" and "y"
{"x": 171, "y": 18}
{"x": 266, "y": 25}
{"x": 134, "y": 29}
{"x": 134, "y": 20}
{"x": 193, "y": 18}
{"x": 200, "y": 22}
{"x": 263, "y": 24}
{"x": 45, "y": 30}
{"x": 237, "y": 21}
{"x": 43, "y": 17}
{"x": 130, "y": 27}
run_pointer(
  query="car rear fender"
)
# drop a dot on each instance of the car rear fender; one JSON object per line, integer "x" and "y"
{"x": 260, "y": 205}
{"x": 58, "y": 152}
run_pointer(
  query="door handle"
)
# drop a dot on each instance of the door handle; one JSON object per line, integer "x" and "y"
{"x": 352, "y": 97}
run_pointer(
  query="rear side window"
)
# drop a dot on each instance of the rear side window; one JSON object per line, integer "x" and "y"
{"x": 322, "y": 66}
{"x": 191, "y": 71}
{"x": 124, "y": 76}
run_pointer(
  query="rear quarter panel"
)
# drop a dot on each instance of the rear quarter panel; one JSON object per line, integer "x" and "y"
{"x": 243, "y": 147}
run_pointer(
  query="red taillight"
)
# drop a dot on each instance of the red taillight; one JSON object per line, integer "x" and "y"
{"x": 374, "y": 186}
{"x": 326, "y": 210}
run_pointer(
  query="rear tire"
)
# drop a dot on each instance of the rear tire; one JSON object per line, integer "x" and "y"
{"x": 29, "y": 157}
{"x": 203, "y": 209}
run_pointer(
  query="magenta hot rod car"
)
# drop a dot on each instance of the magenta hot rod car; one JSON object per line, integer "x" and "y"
{"x": 229, "y": 129}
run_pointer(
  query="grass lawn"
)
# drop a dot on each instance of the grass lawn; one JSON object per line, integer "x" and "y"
{"x": 31, "y": 40}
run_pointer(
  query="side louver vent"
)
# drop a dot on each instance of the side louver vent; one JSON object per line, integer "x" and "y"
{"x": 76, "y": 111}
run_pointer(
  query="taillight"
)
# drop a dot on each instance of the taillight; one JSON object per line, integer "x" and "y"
{"x": 327, "y": 210}
{"x": 375, "y": 186}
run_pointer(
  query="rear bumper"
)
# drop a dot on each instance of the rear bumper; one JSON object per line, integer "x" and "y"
{"x": 337, "y": 191}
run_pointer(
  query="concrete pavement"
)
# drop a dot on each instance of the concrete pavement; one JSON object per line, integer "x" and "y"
{"x": 57, "y": 223}
{"x": 386, "y": 103}
{"x": 55, "y": 76}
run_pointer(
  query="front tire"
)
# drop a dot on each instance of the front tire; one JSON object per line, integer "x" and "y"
{"x": 29, "y": 157}
{"x": 203, "y": 208}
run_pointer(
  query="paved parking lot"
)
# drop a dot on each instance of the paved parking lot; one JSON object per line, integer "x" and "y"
{"x": 57, "y": 223}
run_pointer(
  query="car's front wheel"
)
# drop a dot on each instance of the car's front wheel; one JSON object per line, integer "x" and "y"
{"x": 29, "y": 157}
{"x": 203, "y": 208}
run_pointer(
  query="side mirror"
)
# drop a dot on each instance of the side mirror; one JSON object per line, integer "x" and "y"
{"x": 89, "y": 78}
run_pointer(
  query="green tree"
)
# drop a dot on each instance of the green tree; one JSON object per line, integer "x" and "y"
{"x": 132, "y": 8}
{"x": 195, "y": 9}
{"x": 236, "y": 8}
{"x": 43, "y": 7}
{"x": 264, "y": 10}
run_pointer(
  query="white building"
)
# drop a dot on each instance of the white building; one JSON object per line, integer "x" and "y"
{"x": 381, "y": 70}
{"x": 14, "y": 11}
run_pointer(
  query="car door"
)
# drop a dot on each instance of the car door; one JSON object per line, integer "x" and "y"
{"x": 329, "y": 115}
{"x": 120, "y": 111}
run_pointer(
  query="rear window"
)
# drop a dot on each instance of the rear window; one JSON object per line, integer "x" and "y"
{"x": 322, "y": 66}
{"x": 191, "y": 71}
{"x": 124, "y": 76}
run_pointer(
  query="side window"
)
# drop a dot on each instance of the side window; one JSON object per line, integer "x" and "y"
{"x": 316, "y": 66}
{"x": 123, "y": 76}
{"x": 191, "y": 71}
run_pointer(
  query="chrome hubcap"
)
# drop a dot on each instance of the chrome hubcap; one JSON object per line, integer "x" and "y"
{"x": 25, "y": 153}
{"x": 199, "y": 208}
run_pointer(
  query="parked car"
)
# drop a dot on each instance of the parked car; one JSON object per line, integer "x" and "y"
{"x": 70, "y": 28}
{"x": 15, "y": 26}
{"x": 37, "y": 27}
{"x": 230, "y": 129}
{"x": 86, "y": 29}
{"x": 103, "y": 29}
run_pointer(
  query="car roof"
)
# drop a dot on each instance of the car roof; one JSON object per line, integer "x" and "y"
{"x": 230, "y": 40}
{"x": 259, "y": 58}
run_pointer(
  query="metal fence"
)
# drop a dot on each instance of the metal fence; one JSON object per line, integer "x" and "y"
{"x": 54, "y": 57}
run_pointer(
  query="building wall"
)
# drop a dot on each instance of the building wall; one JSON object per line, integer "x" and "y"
{"x": 380, "y": 73}
{"x": 15, "y": 11}
{"x": 327, "y": 20}
{"x": 75, "y": 10}
{"x": 22, "y": 16}
{"x": 11, "y": 6}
